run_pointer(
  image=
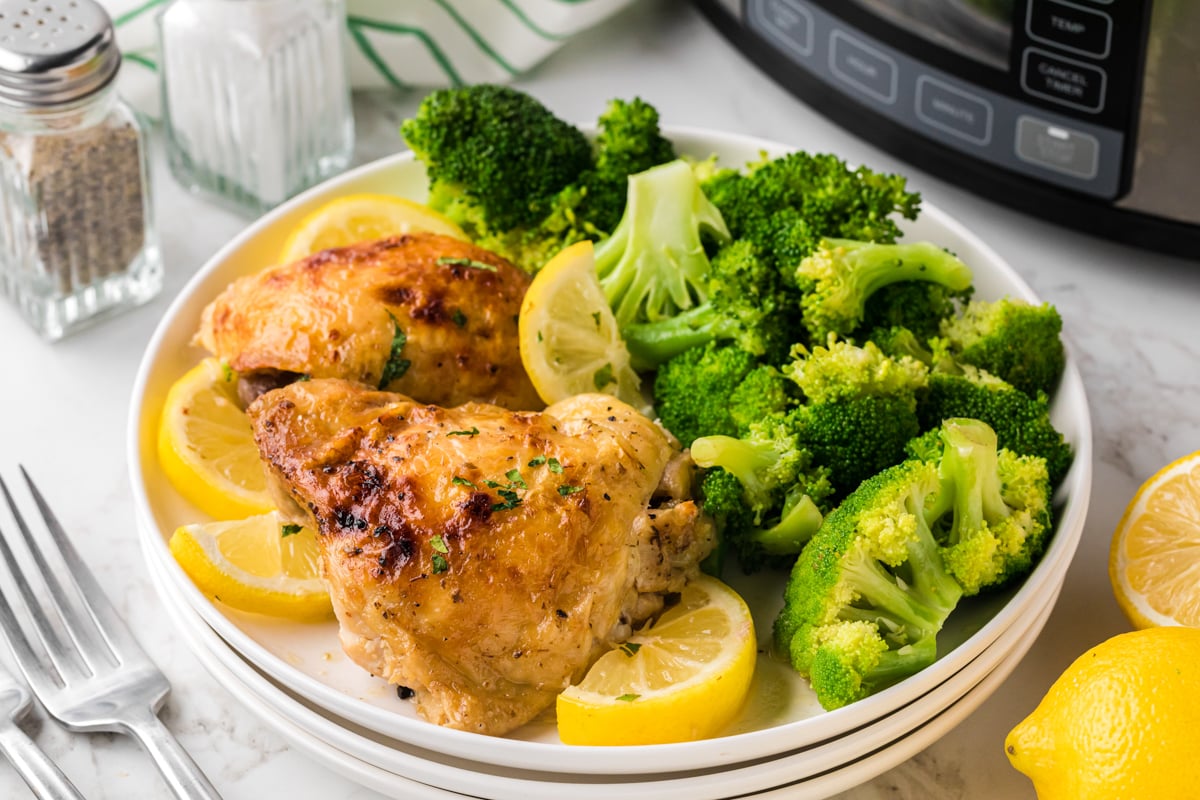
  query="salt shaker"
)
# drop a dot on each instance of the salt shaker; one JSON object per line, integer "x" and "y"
{"x": 256, "y": 102}
{"x": 77, "y": 241}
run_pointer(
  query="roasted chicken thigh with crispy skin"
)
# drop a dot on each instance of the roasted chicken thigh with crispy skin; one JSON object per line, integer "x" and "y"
{"x": 423, "y": 314}
{"x": 484, "y": 558}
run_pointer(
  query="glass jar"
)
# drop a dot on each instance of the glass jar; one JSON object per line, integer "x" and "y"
{"x": 256, "y": 101}
{"x": 77, "y": 239}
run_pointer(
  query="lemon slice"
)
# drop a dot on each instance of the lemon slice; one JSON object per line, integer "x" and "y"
{"x": 206, "y": 446}
{"x": 362, "y": 218}
{"x": 255, "y": 564}
{"x": 681, "y": 679}
{"x": 569, "y": 340}
{"x": 1154, "y": 562}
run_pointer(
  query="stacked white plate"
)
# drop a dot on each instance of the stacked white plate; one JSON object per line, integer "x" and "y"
{"x": 297, "y": 680}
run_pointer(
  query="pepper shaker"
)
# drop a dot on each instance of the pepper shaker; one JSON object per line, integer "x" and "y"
{"x": 77, "y": 240}
{"x": 256, "y": 101}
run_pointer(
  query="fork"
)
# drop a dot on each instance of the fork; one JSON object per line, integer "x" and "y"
{"x": 44, "y": 778}
{"x": 81, "y": 660}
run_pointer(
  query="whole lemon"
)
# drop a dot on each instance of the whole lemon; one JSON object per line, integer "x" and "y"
{"x": 1123, "y": 721}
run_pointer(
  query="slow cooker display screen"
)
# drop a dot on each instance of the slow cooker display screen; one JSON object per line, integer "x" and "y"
{"x": 978, "y": 29}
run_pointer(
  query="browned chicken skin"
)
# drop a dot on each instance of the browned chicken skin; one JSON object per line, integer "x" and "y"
{"x": 336, "y": 314}
{"x": 481, "y": 557}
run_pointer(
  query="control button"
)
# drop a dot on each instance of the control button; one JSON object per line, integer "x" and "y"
{"x": 1070, "y": 27}
{"x": 1057, "y": 148}
{"x": 1063, "y": 80}
{"x": 863, "y": 67}
{"x": 954, "y": 111}
{"x": 788, "y": 24}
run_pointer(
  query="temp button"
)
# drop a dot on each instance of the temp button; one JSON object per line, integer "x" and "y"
{"x": 1071, "y": 27}
{"x": 953, "y": 110}
{"x": 1057, "y": 148}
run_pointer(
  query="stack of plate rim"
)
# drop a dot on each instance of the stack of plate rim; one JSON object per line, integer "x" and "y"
{"x": 295, "y": 678}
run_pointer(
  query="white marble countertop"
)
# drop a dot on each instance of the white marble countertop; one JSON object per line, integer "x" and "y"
{"x": 1128, "y": 315}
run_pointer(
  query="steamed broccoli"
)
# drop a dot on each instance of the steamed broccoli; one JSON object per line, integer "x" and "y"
{"x": 869, "y": 593}
{"x": 788, "y": 204}
{"x": 1012, "y": 339}
{"x": 919, "y": 306}
{"x": 519, "y": 180}
{"x": 1022, "y": 423}
{"x": 860, "y": 408}
{"x": 654, "y": 265}
{"x": 873, "y": 587}
{"x": 746, "y": 304}
{"x": 776, "y": 504}
{"x": 841, "y": 275}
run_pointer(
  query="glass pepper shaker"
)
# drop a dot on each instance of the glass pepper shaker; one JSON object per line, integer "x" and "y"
{"x": 77, "y": 241}
{"x": 256, "y": 102}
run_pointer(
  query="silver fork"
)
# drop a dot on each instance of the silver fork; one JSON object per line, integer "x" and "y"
{"x": 78, "y": 656}
{"x": 45, "y": 779}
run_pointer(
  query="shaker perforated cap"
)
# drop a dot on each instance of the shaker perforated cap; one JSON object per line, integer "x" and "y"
{"x": 54, "y": 51}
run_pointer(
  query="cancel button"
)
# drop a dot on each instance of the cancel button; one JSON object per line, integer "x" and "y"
{"x": 1072, "y": 83}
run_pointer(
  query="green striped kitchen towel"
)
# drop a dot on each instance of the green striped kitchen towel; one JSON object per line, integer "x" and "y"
{"x": 401, "y": 43}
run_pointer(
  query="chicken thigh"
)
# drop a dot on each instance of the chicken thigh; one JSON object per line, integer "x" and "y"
{"x": 423, "y": 314}
{"x": 481, "y": 557}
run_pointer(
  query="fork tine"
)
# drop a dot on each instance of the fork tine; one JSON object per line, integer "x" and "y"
{"x": 107, "y": 630}
{"x": 54, "y": 659}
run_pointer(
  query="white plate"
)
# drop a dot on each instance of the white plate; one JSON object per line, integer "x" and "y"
{"x": 341, "y": 744}
{"x": 782, "y": 716}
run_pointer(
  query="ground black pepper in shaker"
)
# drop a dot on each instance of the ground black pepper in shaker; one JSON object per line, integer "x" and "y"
{"x": 76, "y": 236}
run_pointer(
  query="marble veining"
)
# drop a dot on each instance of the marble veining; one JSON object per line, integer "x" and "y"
{"x": 1130, "y": 318}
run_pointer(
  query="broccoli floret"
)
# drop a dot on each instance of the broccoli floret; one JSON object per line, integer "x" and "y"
{"x": 897, "y": 341}
{"x": 1000, "y": 504}
{"x": 496, "y": 157}
{"x": 629, "y": 141}
{"x": 764, "y": 491}
{"x": 764, "y": 392}
{"x": 1012, "y": 339}
{"x": 786, "y": 205}
{"x": 692, "y": 391}
{"x": 860, "y": 408}
{"x": 841, "y": 275}
{"x": 1022, "y": 423}
{"x": 869, "y": 593}
{"x": 747, "y": 304}
{"x": 519, "y": 180}
{"x": 918, "y": 306}
{"x": 654, "y": 265}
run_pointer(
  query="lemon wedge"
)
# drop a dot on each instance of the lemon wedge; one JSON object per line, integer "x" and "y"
{"x": 206, "y": 446}
{"x": 255, "y": 564}
{"x": 568, "y": 336}
{"x": 1154, "y": 561}
{"x": 682, "y": 678}
{"x": 362, "y": 218}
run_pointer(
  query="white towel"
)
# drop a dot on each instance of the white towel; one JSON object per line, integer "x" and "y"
{"x": 399, "y": 43}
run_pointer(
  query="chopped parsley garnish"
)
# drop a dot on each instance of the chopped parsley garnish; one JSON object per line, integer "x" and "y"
{"x": 289, "y": 529}
{"x": 459, "y": 318}
{"x": 440, "y": 564}
{"x": 451, "y": 261}
{"x": 539, "y": 336}
{"x": 439, "y": 544}
{"x": 537, "y": 461}
{"x": 567, "y": 489}
{"x": 511, "y": 500}
{"x": 305, "y": 378}
{"x": 514, "y": 477}
{"x": 227, "y": 371}
{"x": 554, "y": 466}
{"x": 628, "y": 698}
{"x": 460, "y": 481}
{"x": 603, "y": 376}
{"x": 396, "y": 366}
{"x": 473, "y": 432}
{"x": 630, "y": 648}
{"x": 596, "y": 318}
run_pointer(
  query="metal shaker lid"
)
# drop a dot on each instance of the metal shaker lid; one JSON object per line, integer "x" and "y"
{"x": 54, "y": 51}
